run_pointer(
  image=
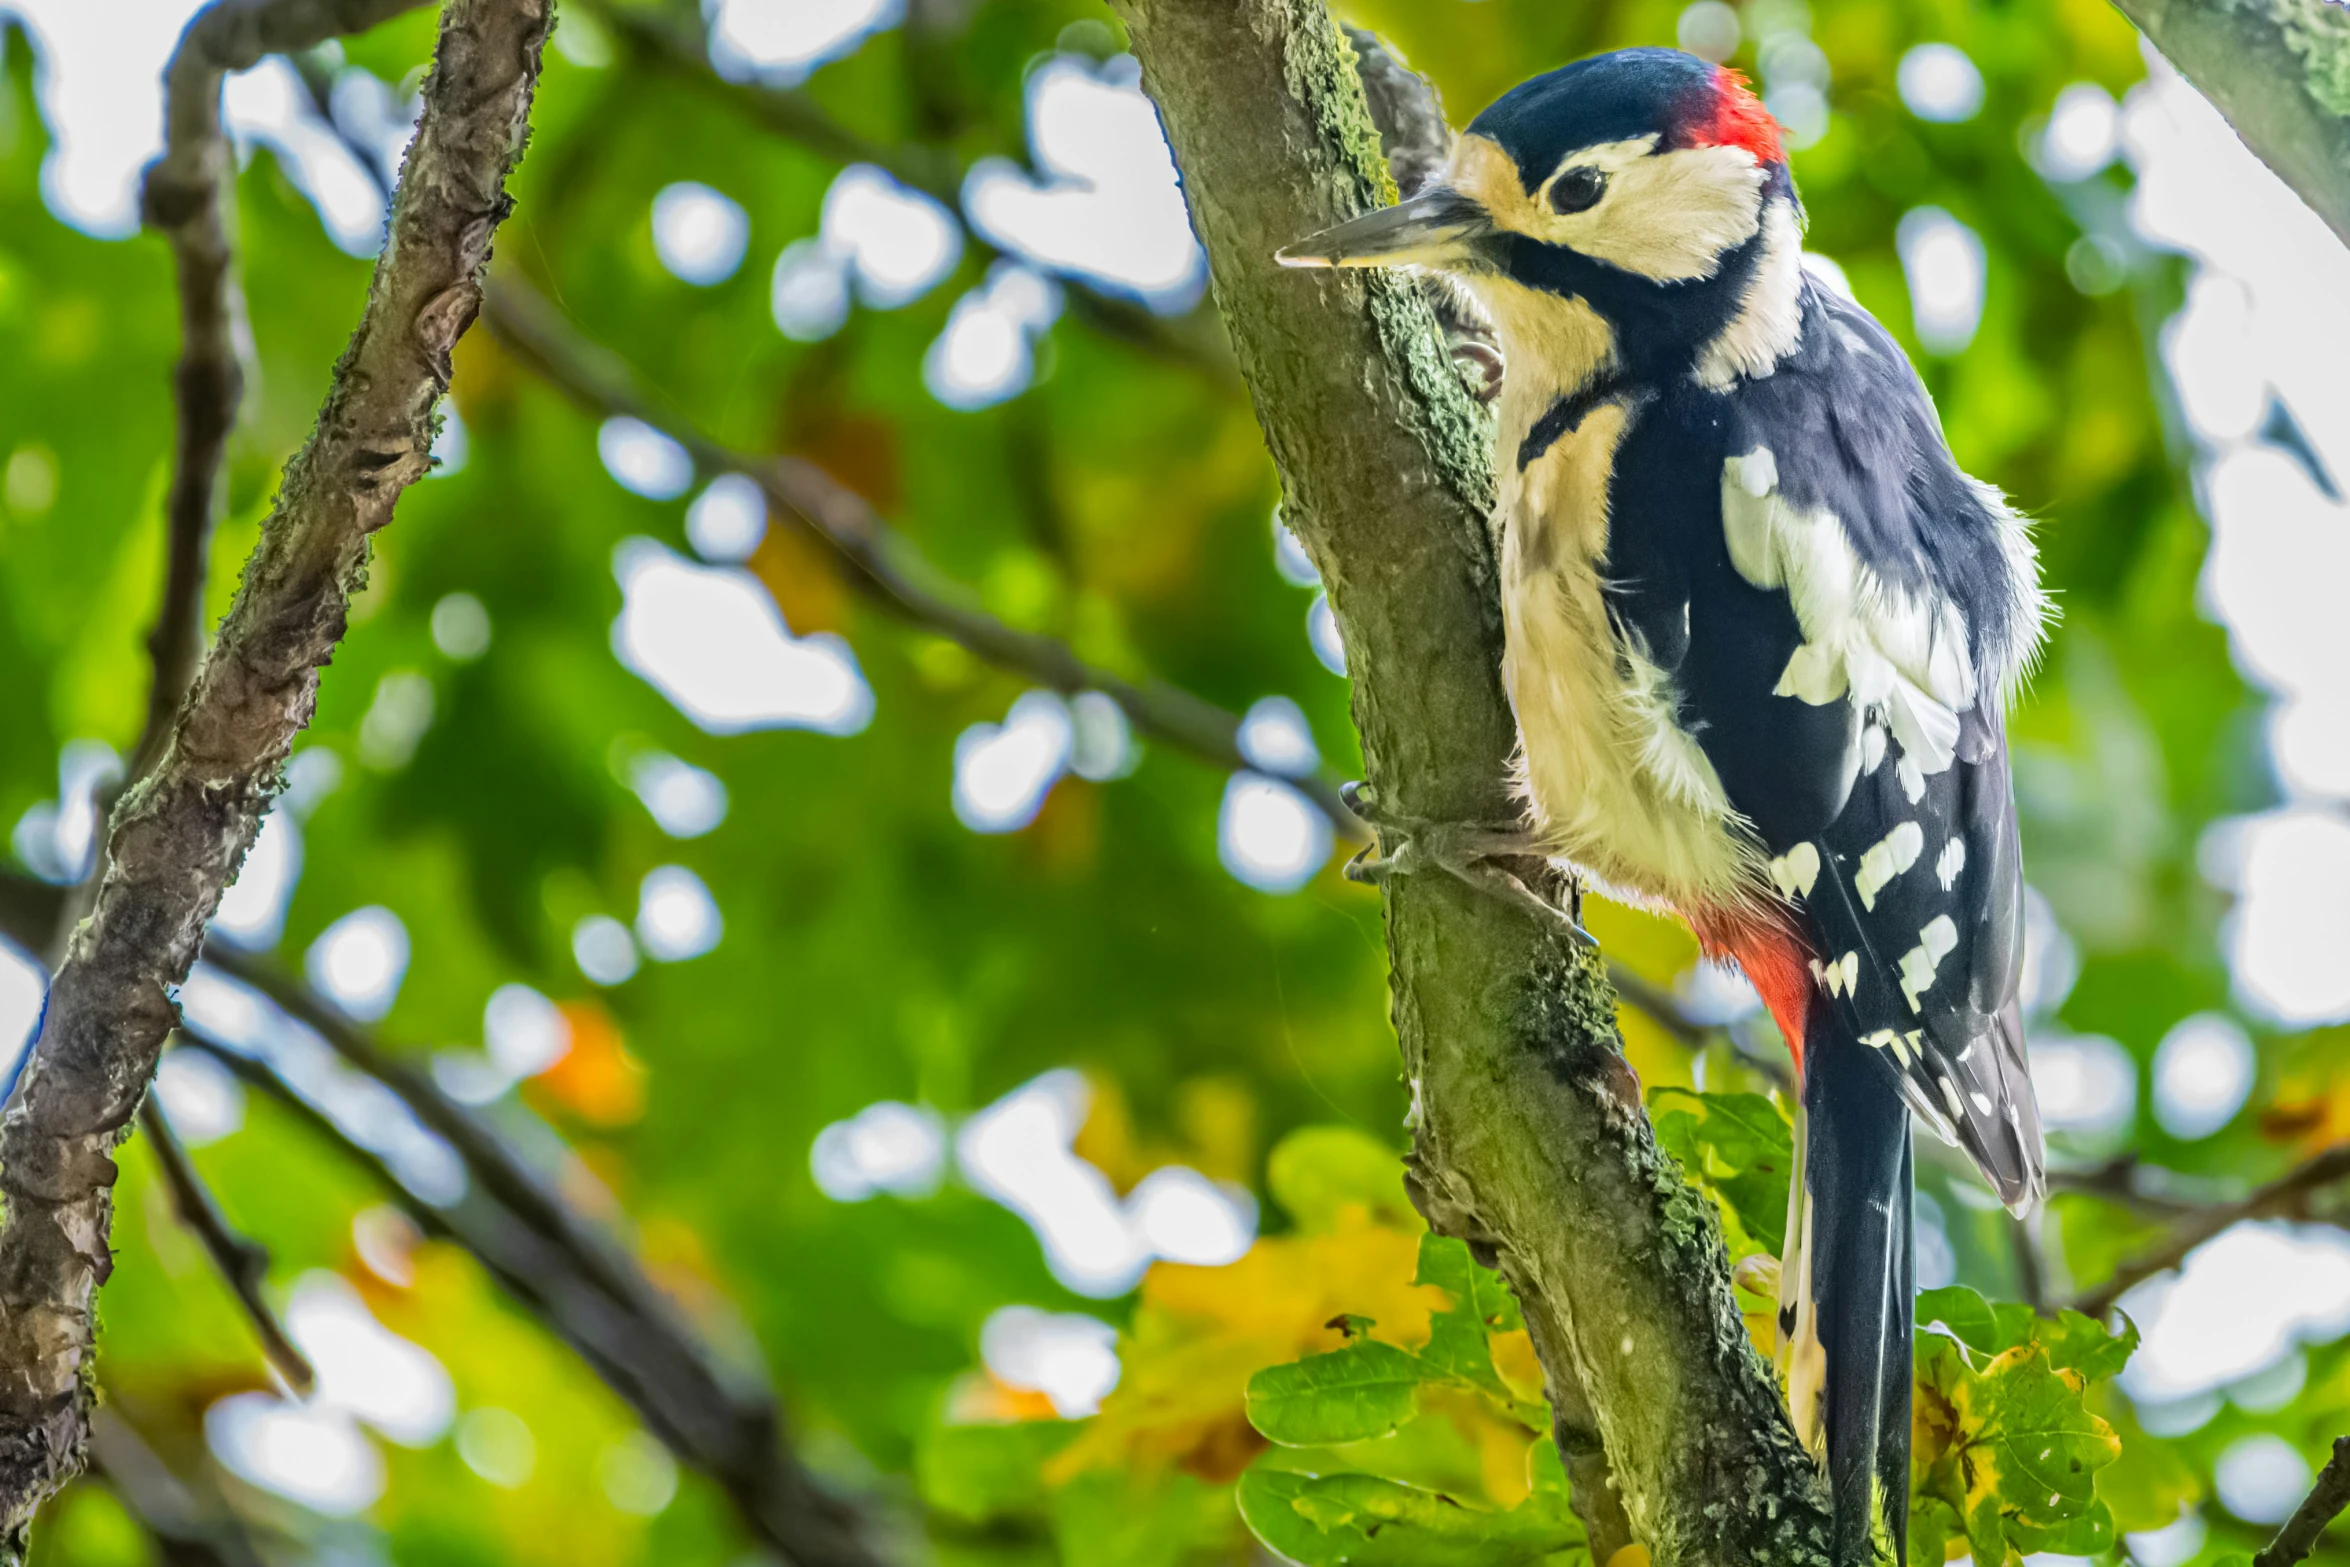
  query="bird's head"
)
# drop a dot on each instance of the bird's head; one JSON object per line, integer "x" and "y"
{"x": 1639, "y": 183}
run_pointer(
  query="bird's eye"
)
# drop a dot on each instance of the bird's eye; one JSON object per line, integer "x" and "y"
{"x": 1577, "y": 190}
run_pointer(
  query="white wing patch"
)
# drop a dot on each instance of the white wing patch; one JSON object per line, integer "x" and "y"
{"x": 1796, "y": 871}
{"x": 1840, "y": 978}
{"x": 1937, "y": 941}
{"x": 1888, "y": 650}
{"x": 1887, "y": 858}
{"x": 1953, "y": 861}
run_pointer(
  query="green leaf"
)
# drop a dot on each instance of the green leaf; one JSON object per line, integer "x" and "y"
{"x": 1354, "y": 1520}
{"x": 1459, "y": 1337}
{"x": 2083, "y": 1344}
{"x": 1738, "y": 1147}
{"x": 984, "y": 1472}
{"x": 1353, "y": 1394}
{"x": 1975, "y": 1322}
{"x": 2019, "y": 1450}
{"x": 1319, "y": 1171}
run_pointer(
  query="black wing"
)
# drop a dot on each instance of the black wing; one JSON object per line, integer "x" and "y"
{"x": 1842, "y": 612}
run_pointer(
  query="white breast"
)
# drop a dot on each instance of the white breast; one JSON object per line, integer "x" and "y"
{"x": 1614, "y": 783}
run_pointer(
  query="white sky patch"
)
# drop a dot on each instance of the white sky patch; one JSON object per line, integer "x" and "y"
{"x": 1275, "y": 738}
{"x": 1101, "y": 742}
{"x": 1947, "y": 271}
{"x": 2173, "y": 1545}
{"x": 2261, "y": 1478}
{"x": 1938, "y": 82}
{"x": 523, "y": 1031}
{"x": 1070, "y": 1358}
{"x": 201, "y": 1098}
{"x": 2082, "y": 135}
{"x": 2203, "y": 1072}
{"x": 1269, "y": 835}
{"x": 252, "y": 912}
{"x": 604, "y": 950}
{"x": 1290, "y": 559}
{"x": 365, "y": 1369}
{"x": 101, "y": 91}
{"x": 315, "y": 1455}
{"x": 1004, "y": 771}
{"x": 1828, "y": 272}
{"x": 1708, "y": 29}
{"x": 898, "y": 243}
{"x": 2086, "y": 1084}
{"x": 1108, "y": 208}
{"x": 809, "y": 295}
{"x": 368, "y": 1113}
{"x": 1017, "y": 1151}
{"x": 2291, "y": 924}
{"x": 988, "y": 351}
{"x": 269, "y": 105}
{"x": 1323, "y": 636}
{"x": 461, "y": 627}
{"x": 711, "y": 640}
{"x": 2242, "y": 1302}
{"x": 359, "y": 961}
{"x": 685, "y": 800}
{"x": 676, "y": 918}
{"x": 783, "y": 40}
{"x": 57, "y": 839}
{"x": 886, "y": 1147}
{"x": 727, "y": 521}
{"x": 699, "y": 234}
{"x": 642, "y": 460}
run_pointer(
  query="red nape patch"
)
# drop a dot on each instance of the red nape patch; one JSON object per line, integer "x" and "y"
{"x": 1776, "y": 962}
{"x": 1739, "y": 120}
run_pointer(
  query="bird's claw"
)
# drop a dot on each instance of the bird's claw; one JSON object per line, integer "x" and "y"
{"x": 1469, "y": 851}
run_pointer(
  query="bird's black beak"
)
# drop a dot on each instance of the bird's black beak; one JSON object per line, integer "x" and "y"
{"x": 1438, "y": 228}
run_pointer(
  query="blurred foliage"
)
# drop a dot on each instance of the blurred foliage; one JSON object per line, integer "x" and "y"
{"x": 875, "y": 949}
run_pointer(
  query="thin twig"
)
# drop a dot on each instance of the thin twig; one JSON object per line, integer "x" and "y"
{"x": 175, "y": 839}
{"x": 2320, "y": 1507}
{"x": 874, "y": 557}
{"x": 187, "y": 196}
{"x": 2286, "y": 1196}
{"x": 242, "y": 1261}
{"x": 672, "y": 43}
{"x": 715, "y": 1421}
{"x": 191, "y": 1525}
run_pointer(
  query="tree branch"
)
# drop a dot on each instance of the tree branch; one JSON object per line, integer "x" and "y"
{"x": 2320, "y": 1507}
{"x": 875, "y": 558}
{"x": 2286, "y": 1196}
{"x": 189, "y": 1531}
{"x": 187, "y": 197}
{"x": 177, "y": 836}
{"x": 242, "y": 1261}
{"x": 1531, "y": 1143}
{"x": 630, "y": 1336}
{"x": 2279, "y": 70}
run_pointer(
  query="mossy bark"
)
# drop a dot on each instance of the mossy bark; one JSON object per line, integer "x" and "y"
{"x": 2280, "y": 71}
{"x": 1530, "y": 1138}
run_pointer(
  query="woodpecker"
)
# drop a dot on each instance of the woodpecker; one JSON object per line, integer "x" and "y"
{"x": 1761, "y": 632}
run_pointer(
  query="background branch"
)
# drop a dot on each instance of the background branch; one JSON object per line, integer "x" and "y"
{"x": 1532, "y": 1144}
{"x": 2284, "y": 1197}
{"x": 242, "y": 1261}
{"x": 2280, "y": 71}
{"x": 2320, "y": 1507}
{"x": 177, "y": 836}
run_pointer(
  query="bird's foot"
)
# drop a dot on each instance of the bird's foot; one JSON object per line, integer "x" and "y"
{"x": 1472, "y": 852}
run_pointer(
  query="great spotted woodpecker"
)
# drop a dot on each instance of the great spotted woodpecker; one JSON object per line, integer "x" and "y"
{"x": 1761, "y": 631}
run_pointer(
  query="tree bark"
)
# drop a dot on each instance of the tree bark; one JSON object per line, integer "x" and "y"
{"x": 2280, "y": 71}
{"x": 1530, "y": 1141}
{"x": 178, "y": 835}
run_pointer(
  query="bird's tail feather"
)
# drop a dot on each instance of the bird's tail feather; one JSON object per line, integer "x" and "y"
{"x": 1847, "y": 1289}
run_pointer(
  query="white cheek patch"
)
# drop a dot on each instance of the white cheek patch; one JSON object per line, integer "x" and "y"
{"x": 1893, "y": 653}
{"x": 1670, "y": 216}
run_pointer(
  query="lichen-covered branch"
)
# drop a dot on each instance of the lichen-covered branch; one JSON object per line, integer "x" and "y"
{"x": 1530, "y": 1139}
{"x": 186, "y": 197}
{"x": 2324, "y": 1503}
{"x": 2280, "y": 71}
{"x": 177, "y": 836}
